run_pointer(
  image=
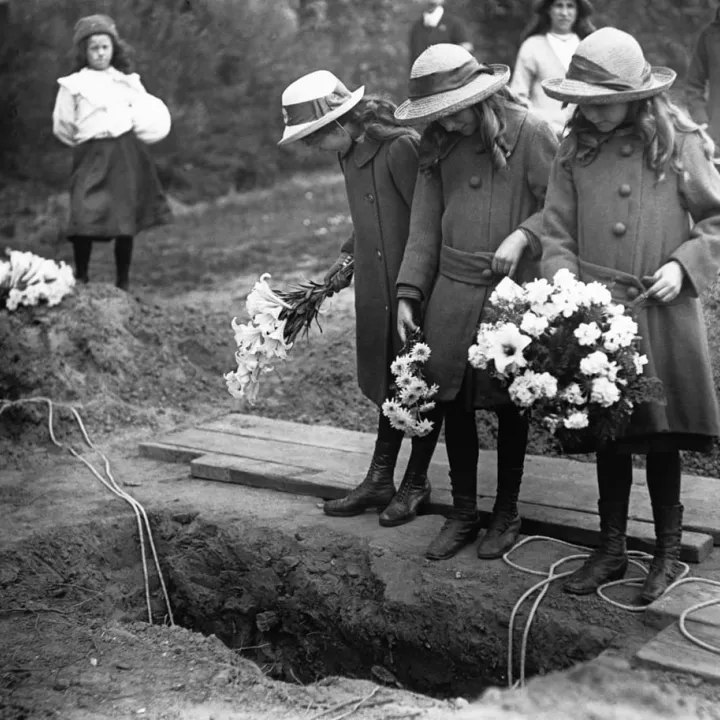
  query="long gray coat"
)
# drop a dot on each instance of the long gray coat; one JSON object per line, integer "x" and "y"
{"x": 380, "y": 180}
{"x": 461, "y": 213}
{"x": 613, "y": 221}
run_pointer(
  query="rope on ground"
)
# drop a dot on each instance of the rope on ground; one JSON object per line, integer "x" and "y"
{"x": 111, "y": 484}
{"x": 636, "y": 558}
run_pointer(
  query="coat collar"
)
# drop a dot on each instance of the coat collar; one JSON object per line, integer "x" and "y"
{"x": 364, "y": 150}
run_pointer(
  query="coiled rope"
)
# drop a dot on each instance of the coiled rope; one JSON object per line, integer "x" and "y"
{"x": 111, "y": 484}
{"x": 636, "y": 558}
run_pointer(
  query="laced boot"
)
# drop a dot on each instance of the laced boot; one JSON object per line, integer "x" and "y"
{"x": 375, "y": 491}
{"x": 609, "y": 561}
{"x": 504, "y": 527}
{"x": 460, "y": 529}
{"x": 664, "y": 567}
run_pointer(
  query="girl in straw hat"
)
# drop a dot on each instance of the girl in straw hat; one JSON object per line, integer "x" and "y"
{"x": 105, "y": 114}
{"x": 627, "y": 175}
{"x": 378, "y": 157}
{"x": 484, "y": 165}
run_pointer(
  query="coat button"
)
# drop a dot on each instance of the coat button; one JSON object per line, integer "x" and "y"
{"x": 487, "y": 273}
{"x": 624, "y": 191}
{"x": 475, "y": 181}
{"x": 619, "y": 229}
{"x": 370, "y": 198}
{"x": 632, "y": 293}
{"x": 379, "y": 254}
{"x": 626, "y": 150}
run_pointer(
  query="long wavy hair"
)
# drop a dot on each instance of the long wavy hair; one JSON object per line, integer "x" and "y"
{"x": 540, "y": 23}
{"x": 656, "y": 119}
{"x": 376, "y": 116}
{"x": 492, "y": 126}
{"x": 122, "y": 57}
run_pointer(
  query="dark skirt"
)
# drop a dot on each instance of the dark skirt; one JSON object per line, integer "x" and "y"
{"x": 115, "y": 189}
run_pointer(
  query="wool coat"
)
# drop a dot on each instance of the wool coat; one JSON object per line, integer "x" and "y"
{"x": 614, "y": 221}
{"x": 703, "y": 79}
{"x": 462, "y": 211}
{"x": 380, "y": 180}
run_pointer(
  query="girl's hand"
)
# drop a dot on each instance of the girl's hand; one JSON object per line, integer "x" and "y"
{"x": 668, "y": 282}
{"x": 508, "y": 255}
{"x": 405, "y": 319}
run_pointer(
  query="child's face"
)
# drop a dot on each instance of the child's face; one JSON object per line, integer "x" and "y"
{"x": 463, "y": 122}
{"x": 99, "y": 52}
{"x": 605, "y": 117}
{"x": 331, "y": 138}
{"x": 563, "y": 14}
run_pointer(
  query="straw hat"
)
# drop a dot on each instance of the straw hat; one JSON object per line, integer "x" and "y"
{"x": 609, "y": 67}
{"x": 94, "y": 25}
{"x": 446, "y": 79}
{"x": 312, "y": 102}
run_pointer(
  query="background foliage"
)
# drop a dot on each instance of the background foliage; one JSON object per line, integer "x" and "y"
{"x": 221, "y": 66}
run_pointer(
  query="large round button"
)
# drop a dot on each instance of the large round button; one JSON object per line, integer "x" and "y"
{"x": 487, "y": 273}
{"x": 626, "y": 150}
{"x": 624, "y": 190}
{"x": 370, "y": 198}
{"x": 475, "y": 181}
{"x": 379, "y": 254}
{"x": 632, "y": 293}
{"x": 619, "y": 229}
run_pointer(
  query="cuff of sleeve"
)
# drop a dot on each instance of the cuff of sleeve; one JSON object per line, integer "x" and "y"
{"x": 409, "y": 292}
{"x": 534, "y": 244}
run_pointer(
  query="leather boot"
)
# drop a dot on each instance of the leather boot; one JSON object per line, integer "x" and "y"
{"x": 664, "y": 567}
{"x": 504, "y": 527}
{"x": 460, "y": 529}
{"x": 375, "y": 491}
{"x": 609, "y": 561}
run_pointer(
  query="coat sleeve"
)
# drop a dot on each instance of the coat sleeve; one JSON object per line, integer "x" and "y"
{"x": 524, "y": 73}
{"x": 150, "y": 115}
{"x": 349, "y": 245}
{"x": 697, "y": 81}
{"x": 699, "y": 185}
{"x": 64, "y": 127}
{"x": 539, "y": 153}
{"x": 560, "y": 224}
{"x": 403, "y": 166}
{"x": 422, "y": 252}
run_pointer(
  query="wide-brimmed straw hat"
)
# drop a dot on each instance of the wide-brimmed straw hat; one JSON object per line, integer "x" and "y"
{"x": 446, "y": 79}
{"x": 312, "y": 102}
{"x": 609, "y": 67}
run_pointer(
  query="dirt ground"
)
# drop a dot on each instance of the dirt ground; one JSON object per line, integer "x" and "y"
{"x": 75, "y": 639}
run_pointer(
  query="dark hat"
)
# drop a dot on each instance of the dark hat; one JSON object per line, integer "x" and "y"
{"x": 94, "y": 25}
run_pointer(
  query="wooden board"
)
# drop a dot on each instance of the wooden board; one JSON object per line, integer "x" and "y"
{"x": 670, "y": 650}
{"x": 319, "y": 476}
{"x": 549, "y": 482}
{"x": 667, "y": 609}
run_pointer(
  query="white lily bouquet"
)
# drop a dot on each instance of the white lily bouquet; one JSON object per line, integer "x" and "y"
{"x": 28, "y": 279}
{"x": 568, "y": 355}
{"x": 411, "y": 395}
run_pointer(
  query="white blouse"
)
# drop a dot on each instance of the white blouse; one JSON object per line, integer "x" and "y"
{"x": 107, "y": 103}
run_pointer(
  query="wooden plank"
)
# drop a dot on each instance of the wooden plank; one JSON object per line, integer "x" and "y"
{"x": 568, "y": 525}
{"x": 670, "y": 650}
{"x": 667, "y": 609}
{"x": 169, "y": 452}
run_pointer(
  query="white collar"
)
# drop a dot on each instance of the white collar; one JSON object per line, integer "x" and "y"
{"x": 432, "y": 19}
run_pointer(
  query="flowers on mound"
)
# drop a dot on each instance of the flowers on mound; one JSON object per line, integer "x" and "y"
{"x": 411, "y": 396}
{"x": 28, "y": 279}
{"x": 567, "y": 354}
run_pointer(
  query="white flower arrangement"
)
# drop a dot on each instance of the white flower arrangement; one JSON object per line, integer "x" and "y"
{"x": 28, "y": 279}
{"x": 411, "y": 394}
{"x": 567, "y": 355}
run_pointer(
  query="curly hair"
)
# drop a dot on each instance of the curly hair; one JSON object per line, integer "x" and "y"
{"x": 656, "y": 119}
{"x": 492, "y": 126}
{"x": 375, "y": 115}
{"x": 122, "y": 57}
{"x": 540, "y": 23}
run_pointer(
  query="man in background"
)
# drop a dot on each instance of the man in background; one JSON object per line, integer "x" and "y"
{"x": 436, "y": 26}
{"x": 703, "y": 79}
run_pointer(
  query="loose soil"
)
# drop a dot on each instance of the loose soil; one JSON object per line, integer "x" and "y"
{"x": 72, "y": 615}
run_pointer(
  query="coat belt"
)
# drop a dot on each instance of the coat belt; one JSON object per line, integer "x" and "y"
{"x": 465, "y": 267}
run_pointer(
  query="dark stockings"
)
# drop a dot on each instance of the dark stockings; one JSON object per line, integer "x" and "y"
{"x": 663, "y": 478}
{"x": 82, "y": 250}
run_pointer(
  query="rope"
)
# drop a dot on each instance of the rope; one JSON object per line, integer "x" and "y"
{"x": 635, "y": 557}
{"x": 111, "y": 484}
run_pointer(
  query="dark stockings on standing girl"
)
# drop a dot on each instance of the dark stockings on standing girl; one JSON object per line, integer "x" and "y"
{"x": 82, "y": 250}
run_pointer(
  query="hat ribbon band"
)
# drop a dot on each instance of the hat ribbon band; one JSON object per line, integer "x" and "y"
{"x": 587, "y": 71}
{"x": 439, "y": 82}
{"x": 315, "y": 109}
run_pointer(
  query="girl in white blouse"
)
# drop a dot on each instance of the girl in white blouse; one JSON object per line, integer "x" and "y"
{"x": 105, "y": 114}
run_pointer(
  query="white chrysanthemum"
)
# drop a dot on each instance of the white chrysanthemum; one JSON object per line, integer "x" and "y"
{"x": 574, "y": 395}
{"x": 401, "y": 418}
{"x": 623, "y": 330}
{"x": 576, "y": 421}
{"x": 604, "y": 392}
{"x": 420, "y": 353}
{"x": 551, "y": 422}
{"x": 596, "y": 363}
{"x": 640, "y": 361}
{"x": 423, "y": 427}
{"x": 565, "y": 279}
{"x": 587, "y": 333}
{"x": 506, "y": 291}
{"x": 596, "y": 293}
{"x": 531, "y": 386}
{"x": 400, "y": 365}
{"x": 534, "y": 325}
{"x": 477, "y": 357}
{"x": 537, "y": 292}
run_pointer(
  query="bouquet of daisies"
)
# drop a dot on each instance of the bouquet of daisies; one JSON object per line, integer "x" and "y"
{"x": 568, "y": 355}
{"x": 411, "y": 396}
{"x": 28, "y": 279}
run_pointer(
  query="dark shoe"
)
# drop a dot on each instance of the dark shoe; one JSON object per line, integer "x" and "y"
{"x": 664, "y": 567}
{"x": 459, "y": 530}
{"x": 84, "y": 279}
{"x": 375, "y": 491}
{"x": 414, "y": 491}
{"x": 609, "y": 561}
{"x": 501, "y": 535}
{"x": 123, "y": 284}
